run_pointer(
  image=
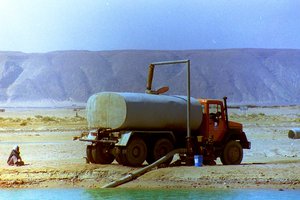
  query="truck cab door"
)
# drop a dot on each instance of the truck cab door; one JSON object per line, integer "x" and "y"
{"x": 217, "y": 123}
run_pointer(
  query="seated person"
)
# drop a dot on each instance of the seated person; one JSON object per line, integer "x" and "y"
{"x": 15, "y": 158}
{"x": 215, "y": 118}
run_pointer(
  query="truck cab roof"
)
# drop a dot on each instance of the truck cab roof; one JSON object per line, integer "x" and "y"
{"x": 210, "y": 101}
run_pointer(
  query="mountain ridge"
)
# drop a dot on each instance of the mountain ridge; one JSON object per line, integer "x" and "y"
{"x": 246, "y": 76}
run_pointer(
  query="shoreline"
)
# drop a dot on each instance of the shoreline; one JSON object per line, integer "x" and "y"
{"x": 91, "y": 176}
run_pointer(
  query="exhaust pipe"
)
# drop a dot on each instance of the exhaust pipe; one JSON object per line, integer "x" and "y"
{"x": 226, "y": 111}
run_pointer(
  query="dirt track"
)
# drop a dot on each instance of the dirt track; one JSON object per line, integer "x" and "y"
{"x": 53, "y": 159}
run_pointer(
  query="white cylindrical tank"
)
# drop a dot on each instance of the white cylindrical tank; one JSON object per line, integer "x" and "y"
{"x": 139, "y": 111}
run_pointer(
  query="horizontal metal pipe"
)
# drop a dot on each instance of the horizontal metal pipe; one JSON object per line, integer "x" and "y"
{"x": 170, "y": 62}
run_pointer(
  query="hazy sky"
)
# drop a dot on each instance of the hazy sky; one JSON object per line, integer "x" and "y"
{"x": 48, "y": 25}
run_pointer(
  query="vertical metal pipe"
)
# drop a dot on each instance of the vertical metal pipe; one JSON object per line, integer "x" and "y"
{"x": 189, "y": 100}
{"x": 189, "y": 142}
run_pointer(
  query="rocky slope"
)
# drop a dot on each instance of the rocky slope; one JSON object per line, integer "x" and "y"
{"x": 246, "y": 76}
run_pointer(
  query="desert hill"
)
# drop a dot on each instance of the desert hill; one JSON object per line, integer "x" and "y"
{"x": 246, "y": 76}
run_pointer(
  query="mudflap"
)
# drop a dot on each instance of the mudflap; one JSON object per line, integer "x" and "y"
{"x": 123, "y": 141}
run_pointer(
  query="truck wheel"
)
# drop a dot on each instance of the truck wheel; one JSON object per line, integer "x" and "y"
{"x": 161, "y": 148}
{"x": 232, "y": 153}
{"x": 136, "y": 152}
{"x": 101, "y": 155}
{"x": 89, "y": 153}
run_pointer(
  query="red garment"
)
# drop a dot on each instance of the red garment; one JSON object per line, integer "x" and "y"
{"x": 14, "y": 158}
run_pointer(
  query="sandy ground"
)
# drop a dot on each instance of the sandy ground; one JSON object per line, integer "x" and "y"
{"x": 54, "y": 160}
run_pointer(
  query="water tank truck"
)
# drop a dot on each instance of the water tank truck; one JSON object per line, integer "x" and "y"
{"x": 137, "y": 127}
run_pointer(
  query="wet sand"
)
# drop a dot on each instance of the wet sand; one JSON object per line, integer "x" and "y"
{"x": 54, "y": 160}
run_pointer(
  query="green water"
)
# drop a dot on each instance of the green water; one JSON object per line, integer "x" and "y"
{"x": 133, "y": 194}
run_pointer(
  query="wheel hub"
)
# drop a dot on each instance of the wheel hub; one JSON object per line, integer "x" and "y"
{"x": 234, "y": 154}
{"x": 136, "y": 152}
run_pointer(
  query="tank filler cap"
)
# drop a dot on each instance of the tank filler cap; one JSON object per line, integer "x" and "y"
{"x": 161, "y": 90}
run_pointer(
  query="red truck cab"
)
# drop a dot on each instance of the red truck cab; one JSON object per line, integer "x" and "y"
{"x": 218, "y": 136}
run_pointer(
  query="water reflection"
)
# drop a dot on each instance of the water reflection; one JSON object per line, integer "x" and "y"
{"x": 160, "y": 194}
{"x": 128, "y": 194}
{"x": 43, "y": 194}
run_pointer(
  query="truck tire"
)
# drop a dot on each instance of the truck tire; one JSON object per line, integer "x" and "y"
{"x": 101, "y": 155}
{"x": 135, "y": 152}
{"x": 232, "y": 153}
{"x": 89, "y": 153}
{"x": 161, "y": 148}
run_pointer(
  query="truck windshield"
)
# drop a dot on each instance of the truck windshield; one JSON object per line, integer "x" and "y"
{"x": 214, "y": 108}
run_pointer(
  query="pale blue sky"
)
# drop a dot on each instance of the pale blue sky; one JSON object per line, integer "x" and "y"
{"x": 49, "y": 25}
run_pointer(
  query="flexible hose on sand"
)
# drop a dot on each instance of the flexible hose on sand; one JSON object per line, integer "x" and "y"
{"x": 139, "y": 172}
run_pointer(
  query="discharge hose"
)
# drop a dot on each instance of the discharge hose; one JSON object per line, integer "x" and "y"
{"x": 139, "y": 172}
